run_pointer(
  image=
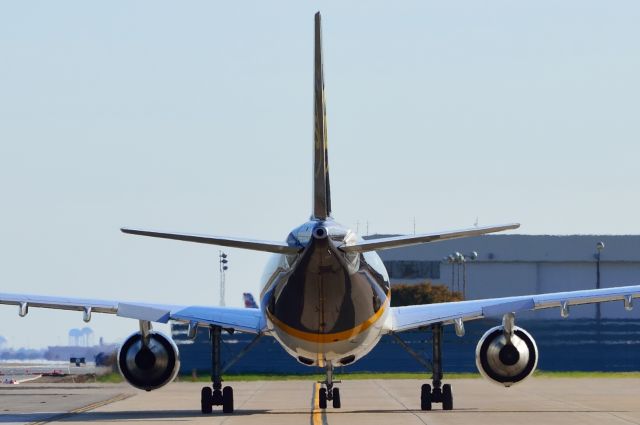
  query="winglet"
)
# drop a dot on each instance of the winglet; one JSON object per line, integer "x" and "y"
{"x": 321, "y": 189}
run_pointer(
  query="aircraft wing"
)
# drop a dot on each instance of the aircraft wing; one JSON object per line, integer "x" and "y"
{"x": 415, "y": 316}
{"x": 398, "y": 241}
{"x": 240, "y": 319}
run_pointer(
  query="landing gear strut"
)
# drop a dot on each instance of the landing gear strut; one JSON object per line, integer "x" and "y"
{"x": 328, "y": 392}
{"x": 216, "y": 395}
{"x": 440, "y": 393}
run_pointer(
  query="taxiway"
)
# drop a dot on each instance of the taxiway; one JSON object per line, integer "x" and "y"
{"x": 538, "y": 400}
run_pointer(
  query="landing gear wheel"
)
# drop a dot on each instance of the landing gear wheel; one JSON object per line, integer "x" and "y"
{"x": 425, "y": 397}
{"x": 447, "y": 397}
{"x": 206, "y": 400}
{"x": 227, "y": 400}
{"x": 322, "y": 399}
{"x": 336, "y": 398}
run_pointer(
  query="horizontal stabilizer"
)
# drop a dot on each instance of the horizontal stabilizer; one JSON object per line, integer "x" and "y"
{"x": 255, "y": 245}
{"x": 398, "y": 241}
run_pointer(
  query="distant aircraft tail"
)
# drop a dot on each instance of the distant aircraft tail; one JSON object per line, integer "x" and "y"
{"x": 321, "y": 189}
{"x": 249, "y": 302}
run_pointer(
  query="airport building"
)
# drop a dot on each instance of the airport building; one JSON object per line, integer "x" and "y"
{"x": 524, "y": 264}
{"x": 504, "y": 265}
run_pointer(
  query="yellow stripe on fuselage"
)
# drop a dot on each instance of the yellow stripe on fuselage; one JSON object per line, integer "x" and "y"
{"x": 327, "y": 338}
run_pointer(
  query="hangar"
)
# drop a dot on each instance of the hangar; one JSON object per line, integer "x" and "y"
{"x": 524, "y": 264}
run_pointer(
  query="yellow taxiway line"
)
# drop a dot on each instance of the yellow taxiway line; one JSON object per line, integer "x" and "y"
{"x": 316, "y": 413}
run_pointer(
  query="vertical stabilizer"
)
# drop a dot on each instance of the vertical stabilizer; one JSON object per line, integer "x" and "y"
{"x": 321, "y": 191}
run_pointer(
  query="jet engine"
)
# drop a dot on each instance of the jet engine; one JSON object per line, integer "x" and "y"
{"x": 506, "y": 355}
{"x": 150, "y": 365}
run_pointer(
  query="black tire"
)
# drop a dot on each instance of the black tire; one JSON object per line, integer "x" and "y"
{"x": 322, "y": 399}
{"x": 227, "y": 400}
{"x": 206, "y": 401}
{"x": 425, "y": 397}
{"x": 336, "y": 398}
{"x": 447, "y": 397}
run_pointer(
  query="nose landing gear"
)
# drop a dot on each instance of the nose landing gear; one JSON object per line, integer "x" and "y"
{"x": 329, "y": 393}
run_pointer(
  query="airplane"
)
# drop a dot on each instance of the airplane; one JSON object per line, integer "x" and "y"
{"x": 249, "y": 301}
{"x": 326, "y": 300}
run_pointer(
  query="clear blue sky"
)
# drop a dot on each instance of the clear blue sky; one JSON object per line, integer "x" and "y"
{"x": 196, "y": 116}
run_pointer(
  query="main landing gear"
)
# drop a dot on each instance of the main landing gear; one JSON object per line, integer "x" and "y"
{"x": 436, "y": 392}
{"x": 440, "y": 393}
{"x": 328, "y": 393}
{"x": 216, "y": 395}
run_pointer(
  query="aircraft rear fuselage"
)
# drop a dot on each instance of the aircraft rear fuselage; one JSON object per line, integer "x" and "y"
{"x": 324, "y": 304}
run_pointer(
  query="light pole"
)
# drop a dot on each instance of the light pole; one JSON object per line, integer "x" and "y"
{"x": 451, "y": 259}
{"x": 466, "y": 258}
{"x": 223, "y": 269}
{"x": 460, "y": 260}
{"x": 599, "y": 248}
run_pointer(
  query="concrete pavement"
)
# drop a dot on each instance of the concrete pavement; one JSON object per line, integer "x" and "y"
{"x": 538, "y": 400}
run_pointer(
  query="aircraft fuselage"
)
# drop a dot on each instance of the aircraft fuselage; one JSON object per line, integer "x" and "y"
{"x": 324, "y": 305}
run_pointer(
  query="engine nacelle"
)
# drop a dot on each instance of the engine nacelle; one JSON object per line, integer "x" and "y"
{"x": 504, "y": 363}
{"x": 151, "y": 367}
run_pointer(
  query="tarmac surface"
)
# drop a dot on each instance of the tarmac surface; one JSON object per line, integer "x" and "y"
{"x": 18, "y": 372}
{"x": 476, "y": 401}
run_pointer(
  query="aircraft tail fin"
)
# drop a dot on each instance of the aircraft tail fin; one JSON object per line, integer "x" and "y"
{"x": 321, "y": 188}
{"x": 249, "y": 301}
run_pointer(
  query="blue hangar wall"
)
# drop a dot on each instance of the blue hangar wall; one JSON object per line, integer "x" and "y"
{"x": 611, "y": 345}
